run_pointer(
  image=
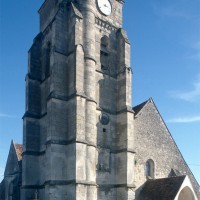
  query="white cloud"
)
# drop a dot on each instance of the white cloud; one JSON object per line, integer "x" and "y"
{"x": 195, "y": 56}
{"x": 2, "y": 115}
{"x": 192, "y": 96}
{"x": 195, "y": 49}
{"x": 196, "y": 45}
{"x": 174, "y": 12}
{"x": 1, "y": 173}
{"x": 185, "y": 119}
{"x": 175, "y": 9}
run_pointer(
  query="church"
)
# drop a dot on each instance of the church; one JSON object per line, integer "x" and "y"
{"x": 82, "y": 139}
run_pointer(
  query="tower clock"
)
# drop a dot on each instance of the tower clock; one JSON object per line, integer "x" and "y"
{"x": 78, "y": 125}
{"x": 104, "y": 6}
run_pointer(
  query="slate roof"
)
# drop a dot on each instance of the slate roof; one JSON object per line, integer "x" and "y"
{"x": 18, "y": 149}
{"x": 139, "y": 107}
{"x": 161, "y": 189}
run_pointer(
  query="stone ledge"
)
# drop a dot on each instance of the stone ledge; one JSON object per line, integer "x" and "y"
{"x": 32, "y": 115}
{"x": 117, "y": 186}
{"x": 60, "y": 183}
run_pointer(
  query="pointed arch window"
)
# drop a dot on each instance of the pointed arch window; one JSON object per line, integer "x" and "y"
{"x": 150, "y": 168}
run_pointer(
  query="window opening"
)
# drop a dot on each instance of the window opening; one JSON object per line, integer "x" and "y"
{"x": 149, "y": 169}
{"x": 104, "y": 53}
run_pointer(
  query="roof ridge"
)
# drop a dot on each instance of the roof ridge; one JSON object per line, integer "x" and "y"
{"x": 172, "y": 177}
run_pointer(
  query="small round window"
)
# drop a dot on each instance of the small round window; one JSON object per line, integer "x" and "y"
{"x": 104, "y": 119}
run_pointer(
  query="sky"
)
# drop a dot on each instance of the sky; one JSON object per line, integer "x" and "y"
{"x": 165, "y": 58}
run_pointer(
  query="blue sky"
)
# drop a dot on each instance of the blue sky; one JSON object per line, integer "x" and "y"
{"x": 165, "y": 38}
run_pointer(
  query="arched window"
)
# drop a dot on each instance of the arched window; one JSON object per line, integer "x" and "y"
{"x": 104, "y": 53}
{"x": 150, "y": 168}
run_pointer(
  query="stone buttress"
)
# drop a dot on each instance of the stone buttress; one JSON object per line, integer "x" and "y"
{"x": 78, "y": 137}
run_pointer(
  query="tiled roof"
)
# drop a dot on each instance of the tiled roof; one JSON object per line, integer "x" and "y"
{"x": 137, "y": 108}
{"x": 161, "y": 189}
{"x": 18, "y": 149}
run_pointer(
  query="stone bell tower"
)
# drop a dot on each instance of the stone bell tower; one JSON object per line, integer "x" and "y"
{"x": 78, "y": 139}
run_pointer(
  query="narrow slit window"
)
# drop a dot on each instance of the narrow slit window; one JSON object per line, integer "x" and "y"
{"x": 104, "y": 53}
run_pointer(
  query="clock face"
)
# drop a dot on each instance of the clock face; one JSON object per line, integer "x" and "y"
{"x": 105, "y": 6}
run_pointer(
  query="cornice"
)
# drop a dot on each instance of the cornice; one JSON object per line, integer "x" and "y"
{"x": 105, "y": 24}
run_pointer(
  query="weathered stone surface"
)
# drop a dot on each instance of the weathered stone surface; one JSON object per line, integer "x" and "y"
{"x": 64, "y": 131}
{"x": 154, "y": 141}
{"x": 82, "y": 140}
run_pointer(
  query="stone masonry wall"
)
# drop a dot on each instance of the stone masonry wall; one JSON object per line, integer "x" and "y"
{"x": 153, "y": 141}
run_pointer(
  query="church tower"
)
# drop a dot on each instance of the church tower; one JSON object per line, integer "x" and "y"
{"x": 78, "y": 141}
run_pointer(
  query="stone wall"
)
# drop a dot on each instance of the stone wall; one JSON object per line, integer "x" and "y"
{"x": 154, "y": 141}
